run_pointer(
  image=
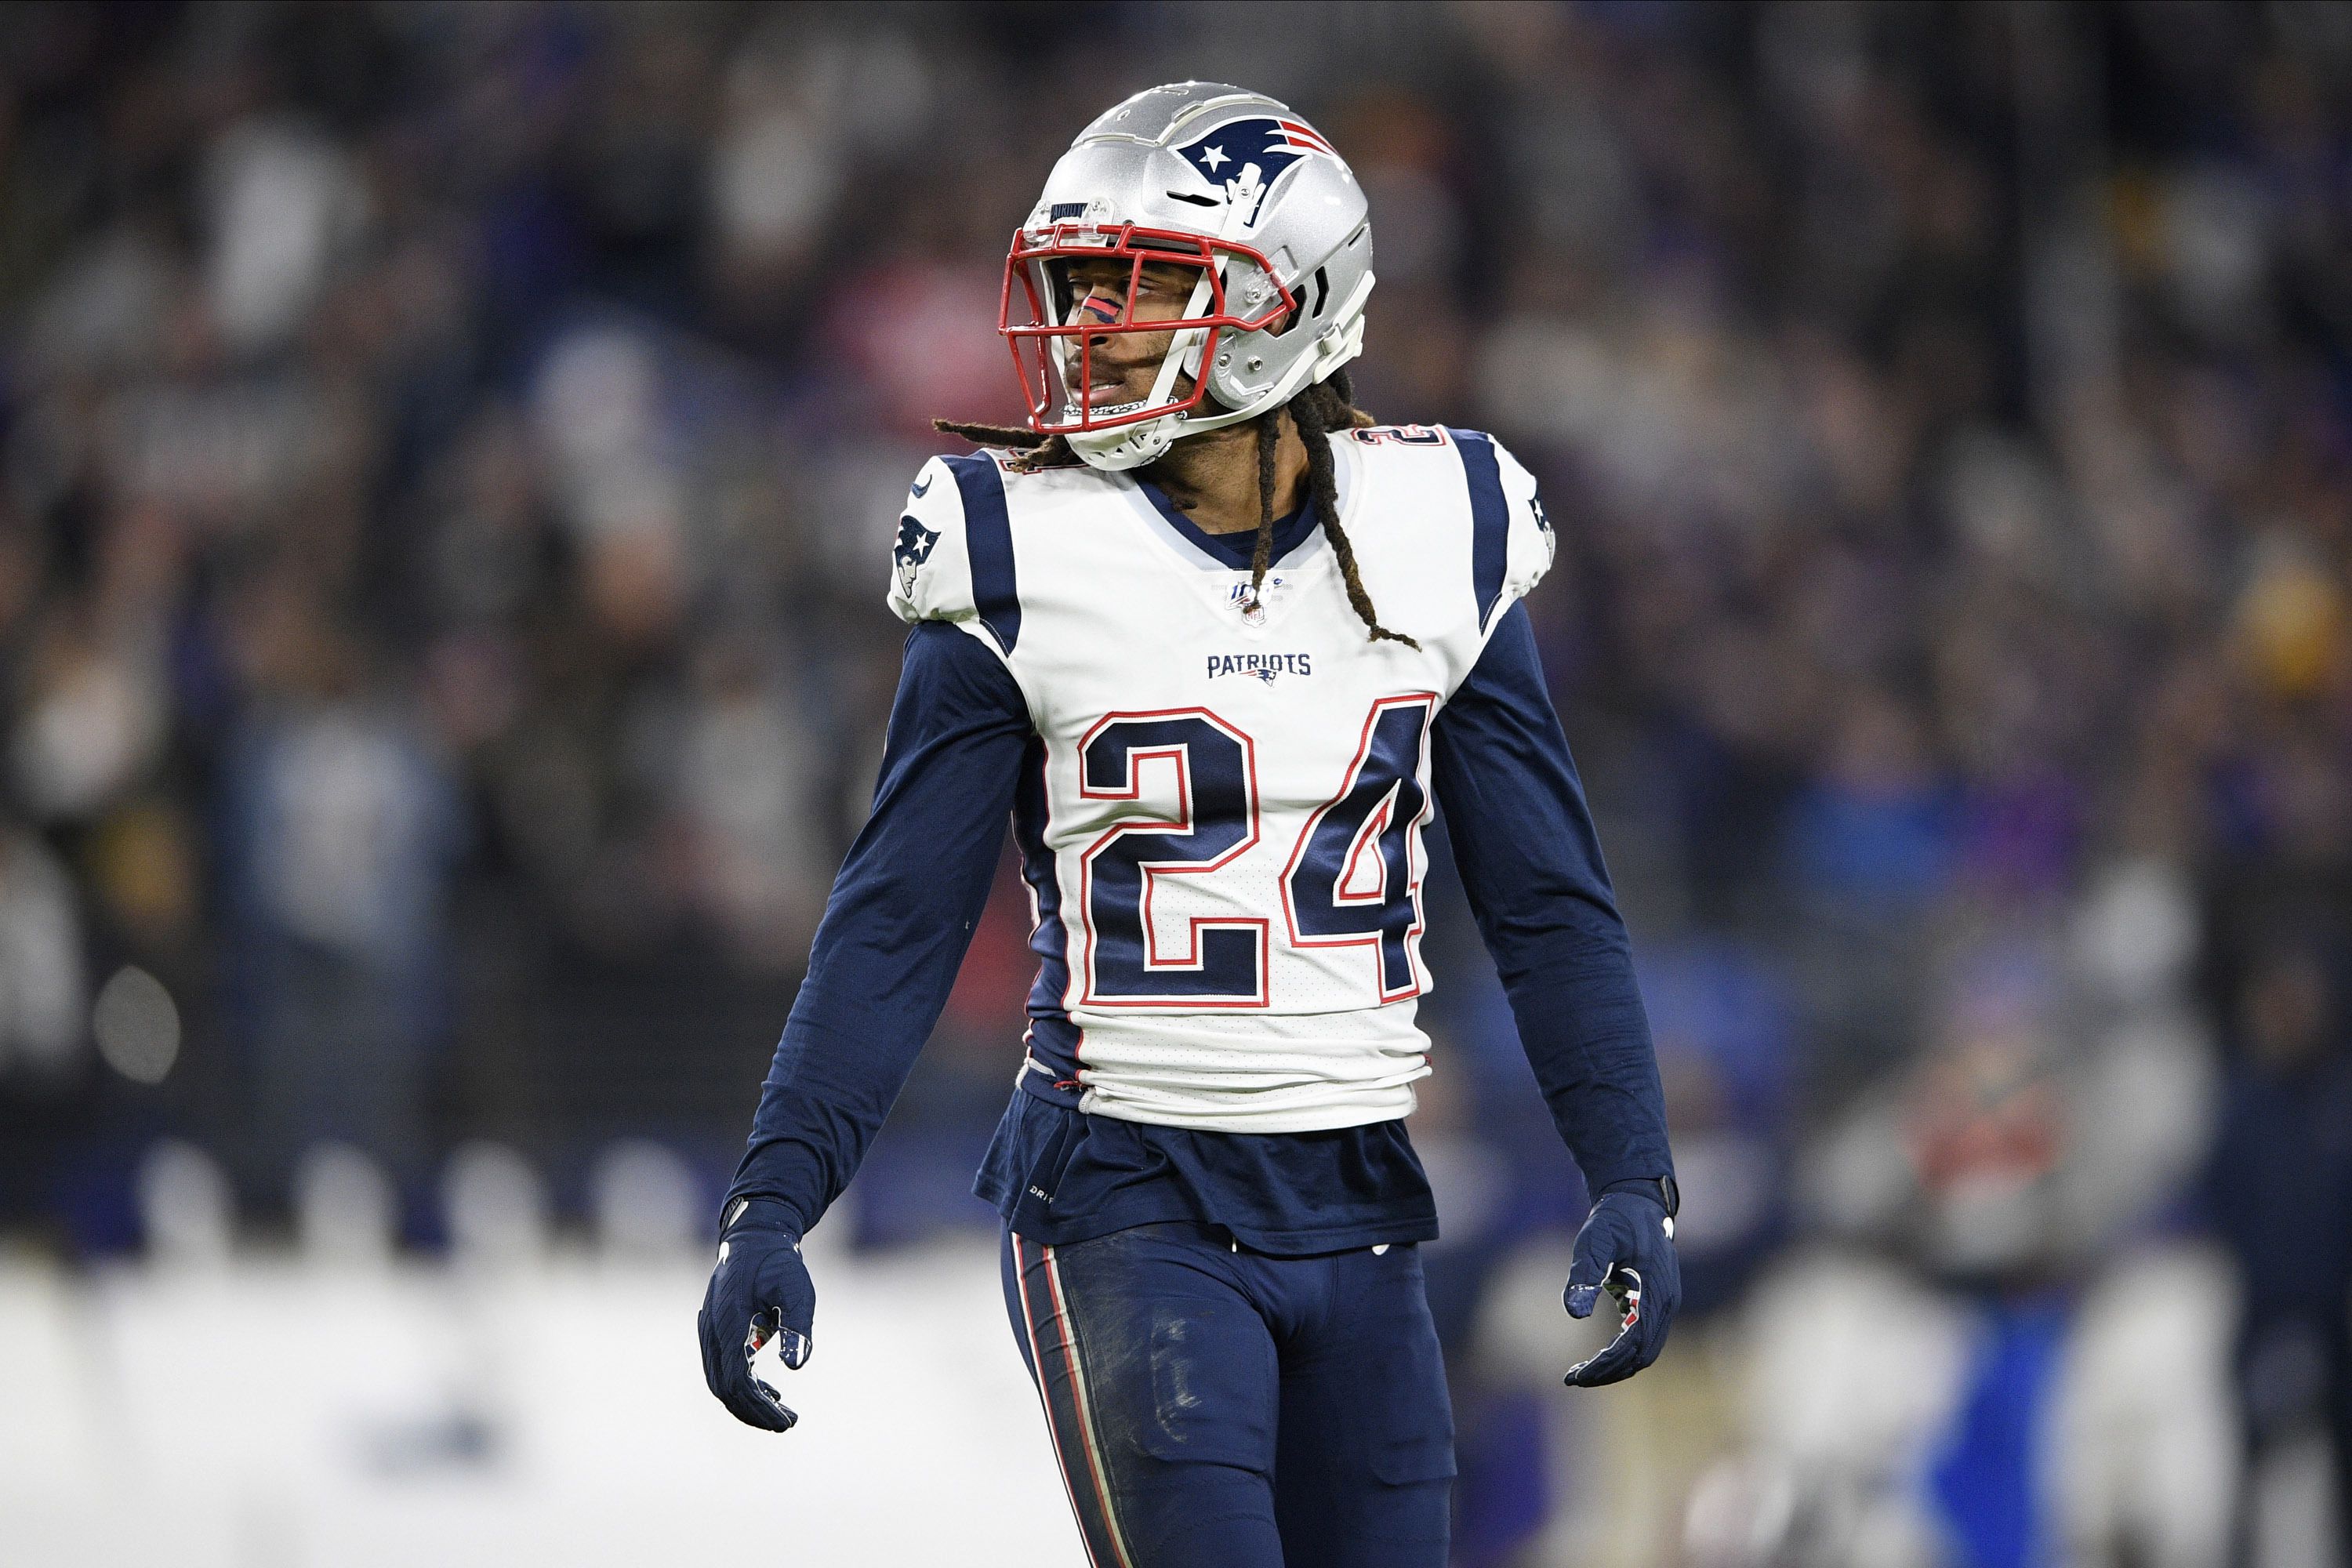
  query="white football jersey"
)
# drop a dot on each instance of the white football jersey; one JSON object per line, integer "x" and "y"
{"x": 1222, "y": 832}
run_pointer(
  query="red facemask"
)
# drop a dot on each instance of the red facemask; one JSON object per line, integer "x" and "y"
{"x": 1054, "y": 343}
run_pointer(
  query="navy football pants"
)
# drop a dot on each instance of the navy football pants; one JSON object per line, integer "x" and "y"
{"x": 1213, "y": 1408}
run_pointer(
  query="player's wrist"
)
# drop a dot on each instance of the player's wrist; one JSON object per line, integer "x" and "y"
{"x": 1660, "y": 1189}
{"x": 761, "y": 1213}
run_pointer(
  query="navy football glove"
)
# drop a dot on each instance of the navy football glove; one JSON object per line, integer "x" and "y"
{"x": 1627, "y": 1249}
{"x": 760, "y": 1291}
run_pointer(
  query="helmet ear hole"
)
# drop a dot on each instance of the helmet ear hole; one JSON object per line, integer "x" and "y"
{"x": 1322, "y": 291}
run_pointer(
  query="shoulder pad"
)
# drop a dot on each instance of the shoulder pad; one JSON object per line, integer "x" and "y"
{"x": 952, "y": 558}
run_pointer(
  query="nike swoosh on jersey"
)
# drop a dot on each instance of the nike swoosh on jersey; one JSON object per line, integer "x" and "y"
{"x": 920, "y": 486}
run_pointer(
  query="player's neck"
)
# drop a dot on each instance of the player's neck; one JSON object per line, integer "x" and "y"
{"x": 1213, "y": 477}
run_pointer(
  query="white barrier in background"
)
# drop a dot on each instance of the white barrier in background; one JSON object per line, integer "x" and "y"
{"x": 326, "y": 1409}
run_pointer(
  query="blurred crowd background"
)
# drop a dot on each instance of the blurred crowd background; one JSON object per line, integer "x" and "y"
{"x": 448, "y": 457}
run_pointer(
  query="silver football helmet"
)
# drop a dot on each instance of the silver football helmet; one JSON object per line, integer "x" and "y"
{"x": 1223, "y": 180}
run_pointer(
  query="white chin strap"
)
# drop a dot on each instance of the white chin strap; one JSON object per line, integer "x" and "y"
{"x": 1128, "y": 447}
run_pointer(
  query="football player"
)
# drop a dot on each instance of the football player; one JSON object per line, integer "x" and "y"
{"x": 1215, "y": 643}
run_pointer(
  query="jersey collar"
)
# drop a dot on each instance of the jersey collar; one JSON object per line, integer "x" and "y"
{"x": 1234, "y": 552}
{"x": 1230, "y": 552}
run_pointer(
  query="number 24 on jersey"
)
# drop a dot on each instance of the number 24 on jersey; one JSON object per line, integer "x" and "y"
{"x": 1349, "y": 881}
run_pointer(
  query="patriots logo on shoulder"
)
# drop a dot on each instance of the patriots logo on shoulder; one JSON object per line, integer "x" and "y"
{"x": 914, "y": 548}
{"x": 1225, "y": 156}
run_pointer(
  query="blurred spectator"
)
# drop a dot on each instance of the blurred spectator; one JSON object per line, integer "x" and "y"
{"x": 341, "y": 833}
{"x": 2281, "y": 1174}
{"x": 41, "y": 993}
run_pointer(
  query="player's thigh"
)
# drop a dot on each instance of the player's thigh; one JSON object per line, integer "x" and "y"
{"x": 1364, "y": 1477}
{"x": 1162, "y": 1389}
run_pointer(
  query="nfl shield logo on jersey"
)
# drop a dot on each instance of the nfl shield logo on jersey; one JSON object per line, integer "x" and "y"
{"x": 913, "y": 548}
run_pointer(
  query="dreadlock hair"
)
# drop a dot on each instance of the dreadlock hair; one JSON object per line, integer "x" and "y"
{"x": 1318, "y": 410}
{"x": 1036, "y": 451}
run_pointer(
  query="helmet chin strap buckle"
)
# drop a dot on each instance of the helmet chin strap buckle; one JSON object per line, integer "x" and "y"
{"x": 1127, "y": 446}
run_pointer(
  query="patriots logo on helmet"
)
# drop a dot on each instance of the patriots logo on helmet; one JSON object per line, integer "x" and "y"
{"x": 1270, "y": 145}
{"x": 914, "y": 548}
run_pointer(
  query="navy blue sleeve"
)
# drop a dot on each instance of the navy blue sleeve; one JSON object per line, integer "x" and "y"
{"x": 896, "y": 928}
{"x": 1524, "y": 841}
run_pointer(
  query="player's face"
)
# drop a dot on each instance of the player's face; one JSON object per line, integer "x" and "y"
{"x": 1122, "y": 365}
